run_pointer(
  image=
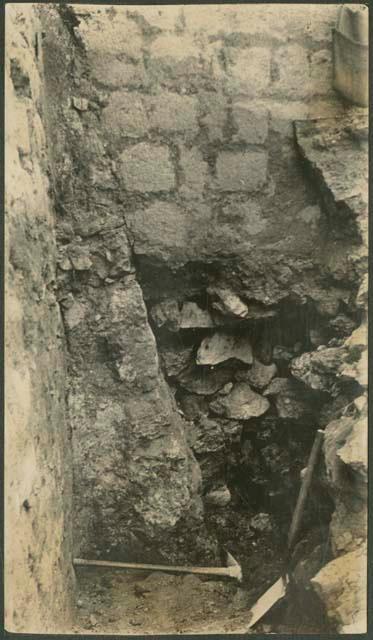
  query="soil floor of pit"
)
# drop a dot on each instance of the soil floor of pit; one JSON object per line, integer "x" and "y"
{"x": 115, "y": 602}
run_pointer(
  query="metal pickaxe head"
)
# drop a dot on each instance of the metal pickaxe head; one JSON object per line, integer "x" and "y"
{"x": 233, "y": 567}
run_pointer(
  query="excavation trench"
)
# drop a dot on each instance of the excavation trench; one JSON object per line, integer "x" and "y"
{"x": 250, "y": 468}
{"x": 208, "y": 296}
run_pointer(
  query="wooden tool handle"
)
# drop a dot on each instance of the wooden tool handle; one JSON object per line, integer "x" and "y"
{"x": 212, "y": 571}
{"x": 303, "y": 493}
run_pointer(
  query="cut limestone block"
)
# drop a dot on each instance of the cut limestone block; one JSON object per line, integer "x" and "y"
{"x": 222, "y": 346}
{"x": 241, "y": 404}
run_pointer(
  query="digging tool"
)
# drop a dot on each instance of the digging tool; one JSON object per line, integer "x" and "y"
{"x": 232, "y": 570}
{"x": 278, "y": 590}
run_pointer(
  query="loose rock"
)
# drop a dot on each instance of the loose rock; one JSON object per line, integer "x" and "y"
{"x": 289, "y": 401}
{"x": 261, "y": 522}
{"x": 80, "y": 259}
{"x": 241, "y": 404}
{"x": 193, "y": 317}
{"x": 175, "y": 360}
{"x": 282, "y": 354}
{"x": 221, "y": 346}
{"x": 228, "y": 302}
{"x": 167, "y": 314}
{"x": 259, "y": 376}
{"x": 219, "y": 497}
{"x": 205, "y": 380}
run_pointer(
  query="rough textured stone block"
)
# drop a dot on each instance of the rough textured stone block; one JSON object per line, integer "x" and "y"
{"x": 214, "y": 108}
{"x": 241, "y": 171}
{"x": 249, "y": 71}
{"x": 113, "y": 73}
{"x": 160, "y": 231}
{"x": 147, "y": 167}
{"x": 294, "y": 80}
{"x": 252, "y": 125}
{"x": 172, "y": 112}
{"x": 176, "y": 47}
{"x": 195, "y": 172}
{"x": 125, "y": 115}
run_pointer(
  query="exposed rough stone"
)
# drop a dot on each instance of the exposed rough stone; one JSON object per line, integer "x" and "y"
{"x": 241, "y": 171}
{"x": 228, "y": 302}
{"x": 318, "y": 369}
{"x": 354, "y": 453}
{"x": 79, "y": 258}
{"x": 221, "y": 347}
{"x": 356, "y": 362}
{"x": 144, "y": 433}
{"x": 166, "y": 314}
{"x": 193, "y": 317}
{"x": 247, "y": 215}
{"x": 252, "y": 125}
{"x": 147, "y": 167}
{"x": 342, "y": 325}
{"x": 176, "y": 359}
{"x": 341, "y": 585}
{"x": 219, "y": 497}
{"x": 331, "y": 147}
{"x": 110, "y": 253}
{"x": 282, "y": 354}
{"x": 311, "y": 215}
{"x": 289, "y": 401}
{"x": 80, "y": 104}
{"x": 205, "y": 435}
{"x": 241, "y": 404}
{"x": 194, "y": 405}
{"x": 39, "y": 585}
{"x": 259, "y": 376}
{"x": 345, "y": 444}
{"x": 205, "y": 380}
{"x": 278, "y": 385}
{"x": 261, "y": 522}
{"x": 226, "y": 389}
{"x": 74, "y": 314}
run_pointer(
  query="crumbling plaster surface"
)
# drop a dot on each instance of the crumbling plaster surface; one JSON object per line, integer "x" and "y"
{"x": 39, "y": 582}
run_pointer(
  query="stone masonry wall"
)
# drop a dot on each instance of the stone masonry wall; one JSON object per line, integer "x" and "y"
{"x": 177, "y": 173}
{"x": 39, "y": 581}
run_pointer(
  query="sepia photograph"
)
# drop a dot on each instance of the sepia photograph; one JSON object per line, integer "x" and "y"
{"x": 186, "y": 313}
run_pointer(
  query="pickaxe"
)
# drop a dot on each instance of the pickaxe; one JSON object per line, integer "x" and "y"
{"x": 232, "y": 570}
